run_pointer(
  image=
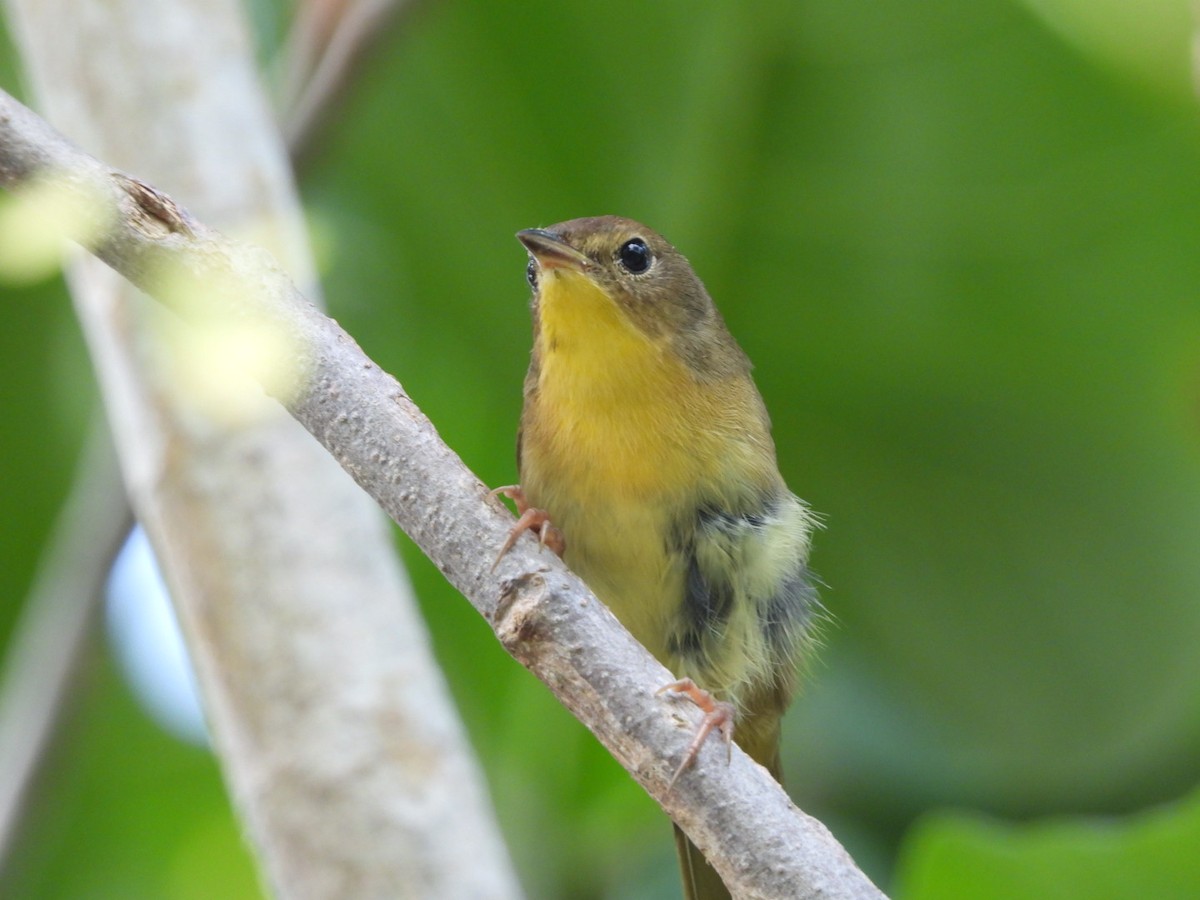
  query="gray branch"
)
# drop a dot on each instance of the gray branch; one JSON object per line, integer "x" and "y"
{"x": 759, "y": 841}
{"x": 333, "y": 727}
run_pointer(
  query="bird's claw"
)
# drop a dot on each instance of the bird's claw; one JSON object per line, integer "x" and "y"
{"x": 718, "y": 715}
{"x": 529, "y": 519}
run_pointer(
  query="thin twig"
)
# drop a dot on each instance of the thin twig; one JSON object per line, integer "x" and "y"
{"x": 328, "y": 42}
{"x": 48, "y": 643}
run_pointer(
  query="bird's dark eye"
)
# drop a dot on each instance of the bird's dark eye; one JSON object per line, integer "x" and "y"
{"x": 635, "y": 256}
{"x": 531, "y": 273}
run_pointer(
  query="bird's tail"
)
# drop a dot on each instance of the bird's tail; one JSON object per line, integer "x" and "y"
{"x": 700, "y": 880}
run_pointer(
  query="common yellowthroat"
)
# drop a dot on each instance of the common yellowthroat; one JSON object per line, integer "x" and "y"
{"x": 646, "y": 460}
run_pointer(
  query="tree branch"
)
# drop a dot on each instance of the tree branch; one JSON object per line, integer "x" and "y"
{"x": 333, "y": 727}
{"x": 762, "y": 845}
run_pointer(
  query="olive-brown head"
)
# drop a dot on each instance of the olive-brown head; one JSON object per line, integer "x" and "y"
{"x": 644, "y": 278}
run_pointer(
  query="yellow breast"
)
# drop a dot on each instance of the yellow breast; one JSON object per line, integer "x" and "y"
{"x": 619, "y": 439}
{"x": 615, "y": 412}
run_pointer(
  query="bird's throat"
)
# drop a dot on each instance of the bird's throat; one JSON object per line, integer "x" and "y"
{"x": 618, "y": 399}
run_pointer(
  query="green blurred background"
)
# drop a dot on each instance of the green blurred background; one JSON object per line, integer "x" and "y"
{"x": 961, "y": 242}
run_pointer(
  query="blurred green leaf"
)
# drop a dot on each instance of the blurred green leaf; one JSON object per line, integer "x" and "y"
{"x": 1150, "y": 855}
{"x": 1149, "y": 39}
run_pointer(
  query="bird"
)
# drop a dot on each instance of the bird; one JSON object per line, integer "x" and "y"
{"x": 645, "y": 459}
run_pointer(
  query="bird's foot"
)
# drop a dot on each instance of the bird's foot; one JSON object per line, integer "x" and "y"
{"x": 529, "y": 519}
{"x": 718, "y": 715}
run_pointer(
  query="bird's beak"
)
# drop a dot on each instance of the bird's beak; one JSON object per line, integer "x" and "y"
{"x": 551, "y": 251}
